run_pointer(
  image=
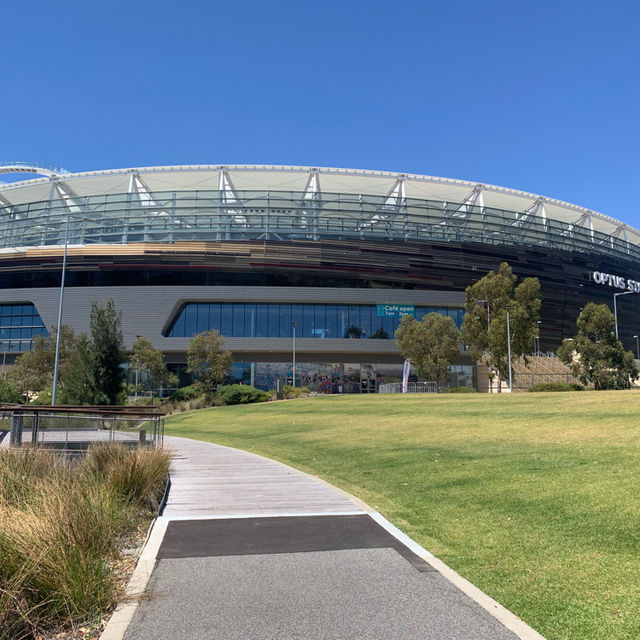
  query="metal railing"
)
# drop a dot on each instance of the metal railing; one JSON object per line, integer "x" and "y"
{"x": 412, "y": 387}
{"x": 285, "y": 215}
{"x": 75, "y": 429}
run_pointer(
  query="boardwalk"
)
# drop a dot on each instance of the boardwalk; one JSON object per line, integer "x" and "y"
{"x": 210, "y": 480}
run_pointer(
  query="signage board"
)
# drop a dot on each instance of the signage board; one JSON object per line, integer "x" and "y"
{"x": 395, "y": 310}
{"x": 618, "y": 282}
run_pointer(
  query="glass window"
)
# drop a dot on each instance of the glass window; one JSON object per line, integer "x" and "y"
{"x": 190, "y": 320}
{"x": 274, "y": 321}
{"x": 214, "y": 316}
{"x": 226, "y": 319}
{"x": 203, "y": 318}
{"x": 331, "y": 325}
{"x": 250, "y": 320}
{"x": 307, "y": 321}
{"x": 296, "y": 316}
{"x": 239, "y": 320}
{"x": 319, "y": 321}
{"x": 343, "y": 320}
{"x": 262, "y": 320}
{"x": 285, "y": 320}
{"x": 177, "y": 330}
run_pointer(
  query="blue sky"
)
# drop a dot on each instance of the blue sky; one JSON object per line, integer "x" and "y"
{"x": 541, "y": 96}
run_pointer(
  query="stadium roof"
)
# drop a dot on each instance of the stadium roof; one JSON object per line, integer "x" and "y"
{"x": 311, "y": 181}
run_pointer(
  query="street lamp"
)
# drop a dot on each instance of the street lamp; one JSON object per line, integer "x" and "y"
{"x": 60, "y": 304}
{"x": 538, "y": 323}
{"x": 293, "y": 328}
{"x": 615, "y": 307}
{"x": 637, "y": 348}
{"x": 509, "y": 351}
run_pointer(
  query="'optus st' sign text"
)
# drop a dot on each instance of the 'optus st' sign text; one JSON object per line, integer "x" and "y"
{"x": 617, "y": 282}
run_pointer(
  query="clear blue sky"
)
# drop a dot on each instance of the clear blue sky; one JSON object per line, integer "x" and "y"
{"x": 541, "y": 96}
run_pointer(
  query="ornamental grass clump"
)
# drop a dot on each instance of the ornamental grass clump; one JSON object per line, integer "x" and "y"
{"x": 62, "y": 524}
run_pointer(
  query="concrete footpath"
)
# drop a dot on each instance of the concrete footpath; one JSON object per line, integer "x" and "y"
{"x": 250, "y": 549}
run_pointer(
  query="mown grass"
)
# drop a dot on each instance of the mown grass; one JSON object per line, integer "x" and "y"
{"x": 61, "y": 529}
{"x": 534, "y": 498}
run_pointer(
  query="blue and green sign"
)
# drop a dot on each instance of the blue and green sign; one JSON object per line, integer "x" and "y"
{"x": 395, "y": 310}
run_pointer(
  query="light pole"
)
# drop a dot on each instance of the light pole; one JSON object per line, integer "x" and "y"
{"x": 509, "y": 351}
{"x": 293, "y": 328}
{"x": 637, "y": 348}
{"x": 538, "y": 323}
{"x": 615, "y": 307}
{"x": 59, "y": 327}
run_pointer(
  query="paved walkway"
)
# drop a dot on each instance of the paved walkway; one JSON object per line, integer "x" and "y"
{"x": 250, "y": 549}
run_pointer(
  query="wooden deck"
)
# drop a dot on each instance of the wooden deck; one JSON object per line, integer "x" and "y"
{"x": 209, "y": 480}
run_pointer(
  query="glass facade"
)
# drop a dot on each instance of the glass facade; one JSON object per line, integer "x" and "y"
{"x": 265, "y": 320}
{"x": 19, "y": 324}
{"x": 325, "y": 377}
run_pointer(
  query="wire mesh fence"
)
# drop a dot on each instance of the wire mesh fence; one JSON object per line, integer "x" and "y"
{"x": 76, "y": 430}
{"x": 412, "y": 387}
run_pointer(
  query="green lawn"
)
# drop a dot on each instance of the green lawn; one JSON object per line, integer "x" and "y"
{"x": 532, "y": 497}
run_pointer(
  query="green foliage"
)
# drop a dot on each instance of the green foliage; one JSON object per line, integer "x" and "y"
{"x": 240, "y": 394}
{"x": 77, "y": 385}
{"x": 33, "y": 370}
{"x": 485, "y": 324}
{"x": 555, "y": 386}
{"x": 430, "y": 344}
{"x": 8, "y": 391}
{"x": 61, "y": 527}
{"x": 290, "y": 392}
{"x": 187, "y": 393}
{"x": 150, "y": 363}
{"x": 43, "y": 398}
{"x": 459, "y": 390}
{"x": 108, "y": 353}
{"x": 595, "y": 354}
{"x": 207, "y": 361}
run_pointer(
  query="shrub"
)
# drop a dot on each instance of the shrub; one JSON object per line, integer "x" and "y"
{"x": 61, "y": 527}
{"x": 8, "y": 391}
{"x": 295, "y": 392}
{"x": 555, "y": 386}
{"x": 240, "y": 394}
{"x": 137, "y": 475}
{"x": 187, "y": 393}
{"x": 458, "y": 390}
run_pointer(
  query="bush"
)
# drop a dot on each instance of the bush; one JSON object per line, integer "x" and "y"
{"x": 8, "y": 392}
{"x": 295, "y": 392}
{"x": 61, "y": 527}
{"x": 240, "y": 394}
{"x": 555, "y": 386}
{"x": 187, "y": 393}
{"x": 459, "y": 390}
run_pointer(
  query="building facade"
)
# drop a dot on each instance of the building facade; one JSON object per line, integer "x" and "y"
{"x": 259, "y": 252}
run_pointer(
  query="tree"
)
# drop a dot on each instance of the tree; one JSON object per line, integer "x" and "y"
{"x": 595, "y": 354}
{"x": 77, "y": 385}
{"x": 430, "y": 344}
{"x": 108, "y": 352}
{"x": 485, "y": 324}
{"x": 8, "y": 391}
{"x": 150, "y": 363}
{"x": 32, "y": 372}
{"x": 207, "y": 361}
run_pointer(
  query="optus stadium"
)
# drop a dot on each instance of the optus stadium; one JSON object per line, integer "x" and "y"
{"x": 251, "y": 250}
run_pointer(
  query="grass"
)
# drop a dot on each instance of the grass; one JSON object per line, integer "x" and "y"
{"x": 62, "y": 525}
{"x": 532, "y": 497}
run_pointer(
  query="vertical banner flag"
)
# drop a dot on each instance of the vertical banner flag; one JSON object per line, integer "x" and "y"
{"x": 405, "y": 375}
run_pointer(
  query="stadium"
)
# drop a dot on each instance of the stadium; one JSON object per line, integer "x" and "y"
{"x": 261, "y": 253}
